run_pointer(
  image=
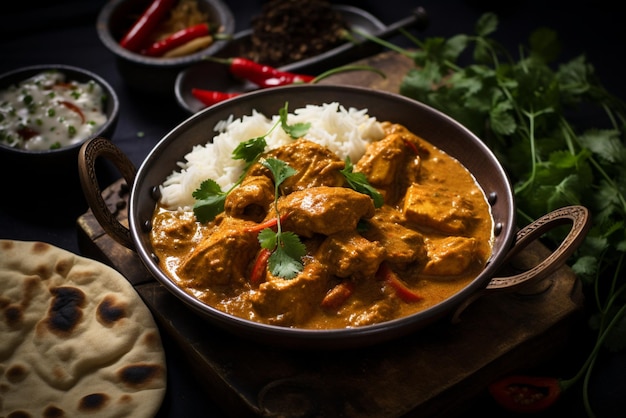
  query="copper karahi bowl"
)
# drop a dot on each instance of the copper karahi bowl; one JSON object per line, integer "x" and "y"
{"x": 432, "y": 125}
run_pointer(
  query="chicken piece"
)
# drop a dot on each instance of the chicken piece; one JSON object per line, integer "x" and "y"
{"x": 171, "y": 231}
{"x": 222, "y": 258}
{"x": 439, "y": 208}
{"x": 349, "y": 254}
{"x": 393, "y": 163}
{"x": 450, "y": 256}
{"x": 324, "y": 210}
{"x": 402, "y": 245}
{"x": 383, "y": 161}
{"x": 291, "y": 302}
{"x": 315, "y": 166}
{"x": 380, "y": 311}
{"x": 251, "y": 199}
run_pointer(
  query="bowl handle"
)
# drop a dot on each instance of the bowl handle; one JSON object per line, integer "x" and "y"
{"x": 578, "y": 216}
{"x": 89, "y": 152}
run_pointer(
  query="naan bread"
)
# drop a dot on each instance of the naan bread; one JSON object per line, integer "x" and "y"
{"x": 75, "y": 338}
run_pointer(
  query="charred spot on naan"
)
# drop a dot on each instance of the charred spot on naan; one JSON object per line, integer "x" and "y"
{"x": 111, "y": 310}
{"x": 14, "y": 315}
{"x": 93, "y": 402}
{"x": 14, "y": 312}
{"x": 16, "y": 373}
{"x": 66, "y": 311}
{"x": 140, "y": 375}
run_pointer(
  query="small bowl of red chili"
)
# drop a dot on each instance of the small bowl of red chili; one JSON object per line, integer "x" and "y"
{"x": 152, "y": 40}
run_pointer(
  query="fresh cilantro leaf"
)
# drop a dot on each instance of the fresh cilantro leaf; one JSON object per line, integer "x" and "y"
{"x": 295, "y": 131}
{"x": 250, "y": 149}
{"x": 359, "y": 182}
{"x": 209, "y": 201}
{"x": 544, "y": 44}
{"x": 285, "y": 260}
{"x": 606, "y": 144}
{"x": 267, "y": 239}
{"x": 486, "y": 24}
{"x": 280, "y": 170}
{"x": 291, "y": 245}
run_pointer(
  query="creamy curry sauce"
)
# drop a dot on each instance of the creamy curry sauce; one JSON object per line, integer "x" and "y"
{"x": 433, "y": 235}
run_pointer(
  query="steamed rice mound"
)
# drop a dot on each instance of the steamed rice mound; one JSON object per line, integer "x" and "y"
{"x": 346, "y": 132}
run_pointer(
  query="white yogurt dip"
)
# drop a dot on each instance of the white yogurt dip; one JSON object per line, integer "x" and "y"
{"x": 47, "y": 111}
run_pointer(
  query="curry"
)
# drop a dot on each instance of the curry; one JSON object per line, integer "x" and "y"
{"x": 363, "y": 264}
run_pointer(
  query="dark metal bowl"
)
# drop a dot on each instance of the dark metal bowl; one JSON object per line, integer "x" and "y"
{"x": 33, "y": 174}
{"x": 154, "y": 75}
{"x": 426, "y": 122}
{"x": 214, "y": 76}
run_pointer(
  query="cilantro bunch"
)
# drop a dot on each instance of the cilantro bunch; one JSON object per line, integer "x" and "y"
{"x": 559, "y": 134}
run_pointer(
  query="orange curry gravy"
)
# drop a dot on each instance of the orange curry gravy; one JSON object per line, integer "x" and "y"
{"x": 433, "y": 236}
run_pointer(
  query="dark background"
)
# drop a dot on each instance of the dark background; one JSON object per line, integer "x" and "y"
{"x": 64, "y": 32}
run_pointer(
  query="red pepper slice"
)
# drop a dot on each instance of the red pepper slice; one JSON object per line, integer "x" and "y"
{"x": 177, "y": 39}
{"x": 211, "y": 97}
{"x": 411, "y": 146}
{"x": 71, "y": 106}
{"x": 260, "y": 266}
{"x": 526, "y": 393}
{"x": 338, "y": 295}
{"x": 136, "y": 36}
{"x": 27, "y": 133}
{"x": 403, "y": 292}
{"x": 270, "y": 223}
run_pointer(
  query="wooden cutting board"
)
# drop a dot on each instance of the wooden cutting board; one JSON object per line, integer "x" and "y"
{"x": 437, "y": 371}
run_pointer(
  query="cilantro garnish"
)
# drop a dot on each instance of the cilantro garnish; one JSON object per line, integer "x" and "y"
{"x": 296, "y": 130}
{"x": 358, "y": 182}
{"x": 209, "y": 201}
{"x": 210, "y": 198}
{"x": 286, "y": 247}
{"x": 249, "y": 150}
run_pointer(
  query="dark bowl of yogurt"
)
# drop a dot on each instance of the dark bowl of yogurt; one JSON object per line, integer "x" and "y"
{"x": 46, "y": 113}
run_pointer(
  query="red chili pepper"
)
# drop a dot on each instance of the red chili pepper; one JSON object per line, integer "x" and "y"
{"x": 403, "y": 292}
{"x": 260, "y": 265}
{"x": 136, "y": 36}
{"x": 285, "y": 79}
{"x": 176, "y": 39}
{"x": 526, "y": 393}
{"x": 211, "y": 97}
{"x": 259, "y": 74}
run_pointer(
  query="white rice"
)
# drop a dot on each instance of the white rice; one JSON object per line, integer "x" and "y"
{"x": 346, "y": 132}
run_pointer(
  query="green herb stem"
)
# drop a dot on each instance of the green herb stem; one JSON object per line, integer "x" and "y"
{"x": 528, "y": 106}
{"x": 346, "y": 68}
